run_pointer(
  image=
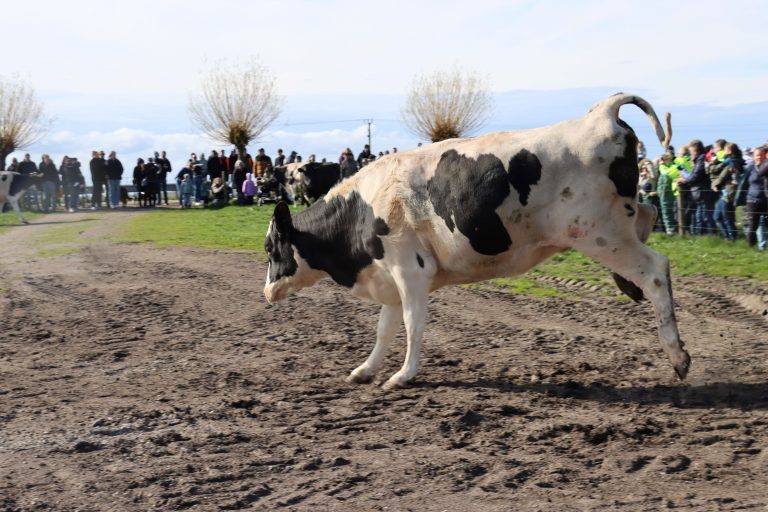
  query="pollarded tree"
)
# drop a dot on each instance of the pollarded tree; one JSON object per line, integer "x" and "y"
{"x": 447, "y": 104}
{"x": 22, "y": 122}
{"x": 237, "y": 106}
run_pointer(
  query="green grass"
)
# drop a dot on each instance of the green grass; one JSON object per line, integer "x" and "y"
{"x": 239, "y": 228}
{"x": 9, "y": 219}
{"x": 244, "y": 229}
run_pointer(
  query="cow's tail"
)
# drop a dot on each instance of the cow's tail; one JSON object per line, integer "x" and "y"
{"x": 615, "y": 102}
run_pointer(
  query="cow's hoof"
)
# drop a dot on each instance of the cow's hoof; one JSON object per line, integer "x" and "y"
{"x": 358, "y": 378}
{"x": 682, "y": 367}
{"x": 394, "y": 383}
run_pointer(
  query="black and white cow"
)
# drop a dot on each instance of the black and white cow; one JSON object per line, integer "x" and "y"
{"x": 312, "y": 180}
{"x": 12, "y": 188}
{"x": 466, "y": 210}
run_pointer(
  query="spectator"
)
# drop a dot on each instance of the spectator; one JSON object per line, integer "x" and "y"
{"x": 114, "y": 175}
{"x": 50, "y": 185}
{"x": 187, "y": 190}
{"x": 28, "y": 168}
{"x": 647, "y": 185}
{"x": 702, "y": 197}
{"x": 280, "y": 158}
{"x": 185, "y": 171}
{"x": 757, "y": 201}
{"x": 214, "y": 166}
{"x": 73, "y": 182}
{"x": 238, "y": 177}
{"x": 263, "y": 159}
{"x": 292, "y": 157}
{"x": 348, "y": 167}
{"x": 198, "y": 174}
{"x": 98, "y": 169}
{"x": 725, "y": 186}
{"x": 248, "y": 189}
{"x": 218, "y": 193}
{"x": 165, "y": 168}
{"x": 666, "y": 188}
{"x": 205, "y": 191}
{"x": 365, "y": 153}
{"x": 140, "y": 182}
{"x": 152, "y": 183}
{"x": 641, "y": 153}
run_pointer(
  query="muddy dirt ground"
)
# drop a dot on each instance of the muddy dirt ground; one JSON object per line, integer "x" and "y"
{"x": 139, "y": 378}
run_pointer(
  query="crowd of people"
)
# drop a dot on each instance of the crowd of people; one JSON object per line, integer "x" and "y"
{"x": 698, "y": 188}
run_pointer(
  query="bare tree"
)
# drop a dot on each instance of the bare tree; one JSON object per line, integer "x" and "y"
{"x": 236, "y": 107}
{"x": 21, "y": 117}
{"x": 447, "y": 104}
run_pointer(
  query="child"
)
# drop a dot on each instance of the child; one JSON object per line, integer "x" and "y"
{"x": 249, "y": 190}
{"x": 187, "y": 189}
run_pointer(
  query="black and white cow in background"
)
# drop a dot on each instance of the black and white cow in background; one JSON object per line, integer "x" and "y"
{"x": 12, "y": 188}
{"x": 311, "y": 180}
{"x": 466, "y": 210}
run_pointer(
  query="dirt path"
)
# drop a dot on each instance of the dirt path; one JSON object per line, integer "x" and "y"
{"x": 136, "y": 378}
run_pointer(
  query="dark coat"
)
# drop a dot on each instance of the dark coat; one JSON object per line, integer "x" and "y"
{"x": 114, "y": 169}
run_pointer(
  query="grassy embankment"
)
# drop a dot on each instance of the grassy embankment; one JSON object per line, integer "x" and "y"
{"x": 244, "y": 228}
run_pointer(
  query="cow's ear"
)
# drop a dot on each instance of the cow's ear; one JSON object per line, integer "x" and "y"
{"x": 282, "y": 218}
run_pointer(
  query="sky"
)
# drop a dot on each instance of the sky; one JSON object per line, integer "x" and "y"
{"x": 119, "y": 75}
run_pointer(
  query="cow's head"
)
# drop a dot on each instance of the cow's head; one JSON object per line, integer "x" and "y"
{"x": 287, "y": 272}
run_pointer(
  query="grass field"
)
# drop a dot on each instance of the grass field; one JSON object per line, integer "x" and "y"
{"x": 244, "y": 228}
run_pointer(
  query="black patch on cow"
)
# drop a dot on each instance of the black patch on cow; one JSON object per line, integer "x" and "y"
{"x": 629, "y": 208}
{"x": 623, "y": 171}
{"x": 524, "y": 172}
{"x": 340, "y": 236}
{"x": 278, "y": 245}
{"x": 19, "y": 183}
{"x": 629, "y": 288}
{"x": 419, "y": 260}
{"x": 465, "y": 193}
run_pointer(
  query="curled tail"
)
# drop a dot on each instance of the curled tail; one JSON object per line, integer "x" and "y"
{"x": 614, "y": 103}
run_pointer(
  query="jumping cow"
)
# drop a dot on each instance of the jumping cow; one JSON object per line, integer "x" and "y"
{"x": 466, "y": 210}
{"x": 12, "y": 188}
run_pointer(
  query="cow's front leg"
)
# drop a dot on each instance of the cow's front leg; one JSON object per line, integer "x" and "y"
{"x": 413, "y": 282}
{"x": 15, "y": 204}
{"x": 390, "y": 319}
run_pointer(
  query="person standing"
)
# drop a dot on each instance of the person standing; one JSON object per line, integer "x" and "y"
{"x": 50, "y": 183}
{"x": 262, "y": 159}
{"x": 700, "y": 187}
{"x": 165, "y": 168}
{"x": 98, "y": 178}
{"x": 114, "y": 175}
{"x": 666, "y": 188}
{"x": 280, "y": 158}
{"x": 757, "y": 200}
{"x": 28, "y": 168}
{"x": 214, "y": 166}
{"x": 73, "y": 182}
{"x": 185, "y": 171}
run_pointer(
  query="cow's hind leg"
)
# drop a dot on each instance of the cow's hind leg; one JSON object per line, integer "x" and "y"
{"x": 390, "y": 319}
{"x": 648, "y": 270}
